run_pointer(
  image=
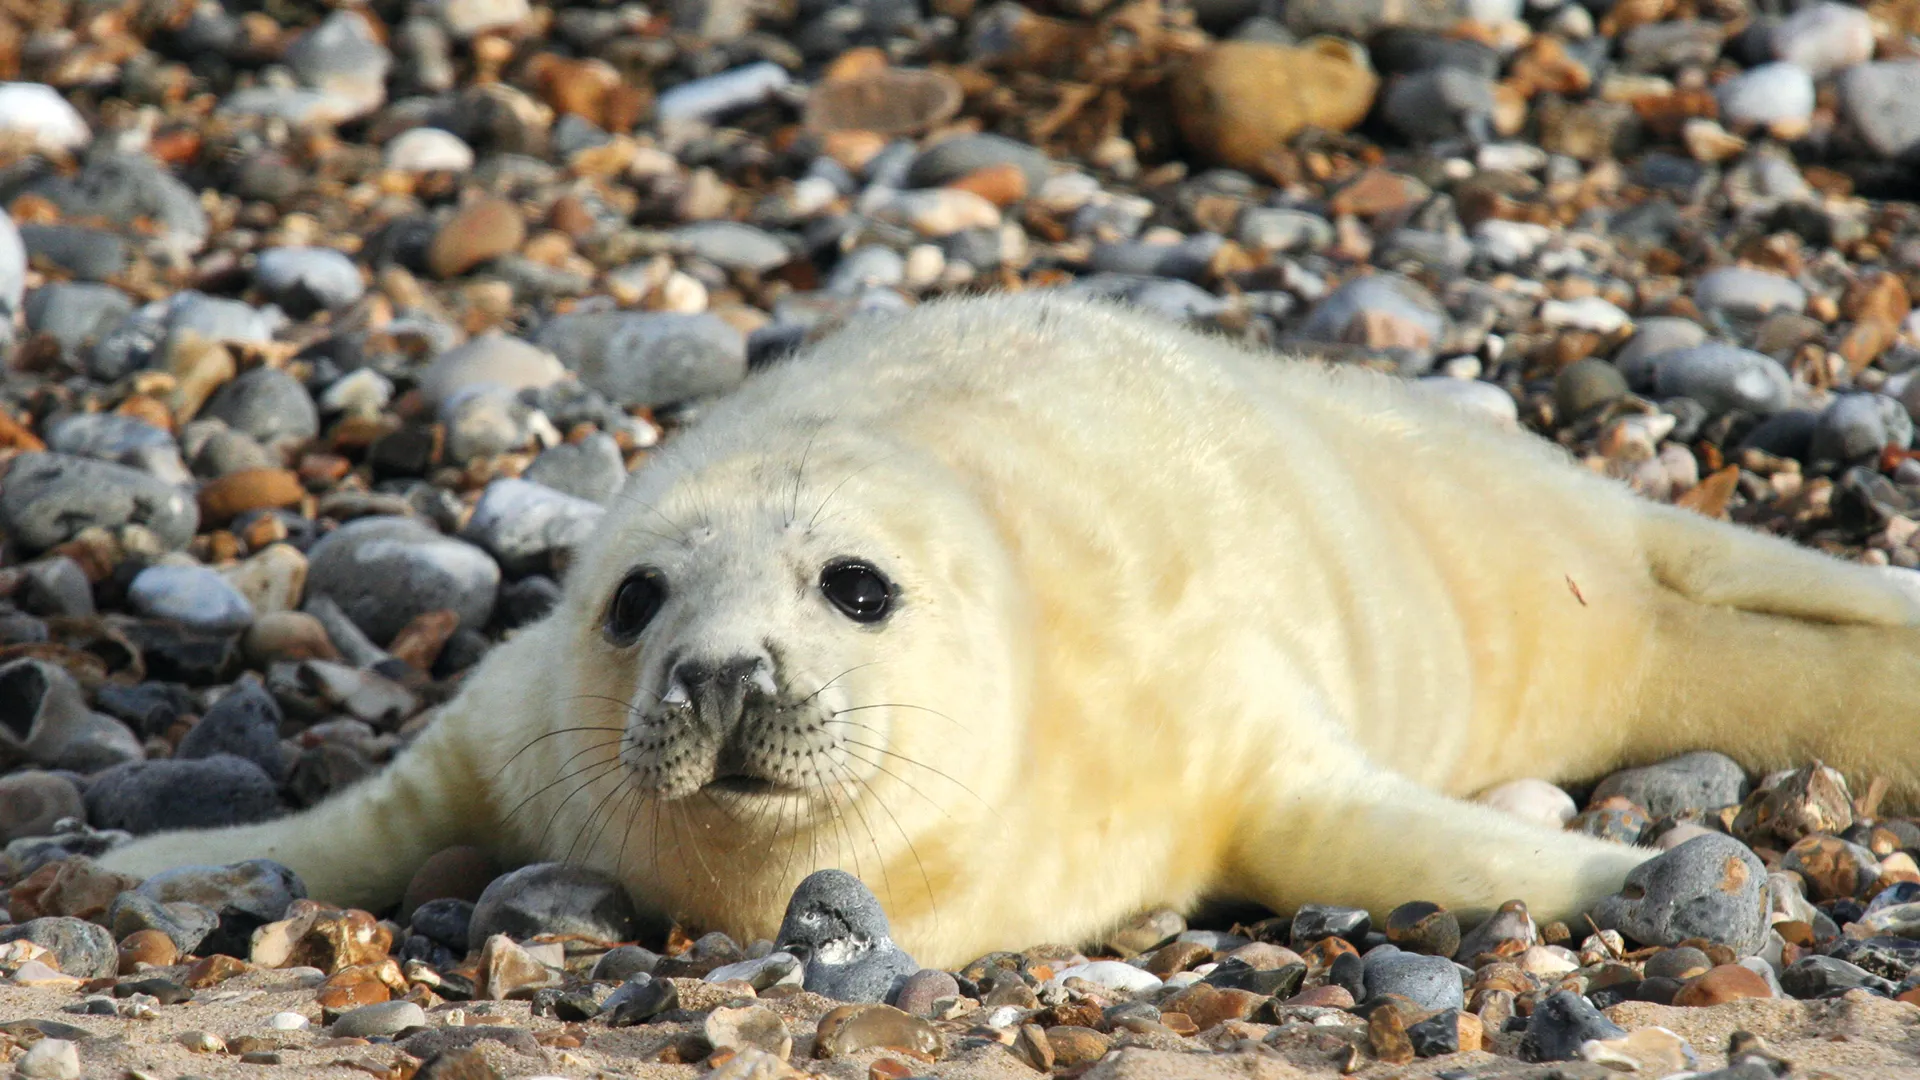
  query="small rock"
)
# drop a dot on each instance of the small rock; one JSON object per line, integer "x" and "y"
{"x": 151, "y": 796}
{"x": 194, "y": 596}
{"x": 591, "y": 469}
{"x": 649, "y": 358}
{"x": 304, "y": 279}
{"x": 1744, "y": 291}
{"x": 552, "y": 898}
{"x": 32, "y": 801}
{"x": 1824, "y": 39}
{"x": 1728, "y": 982}
{"x": 1877, "y": 101}
{"x": 186, "y": 924}
{"x": 49, "y": 724}
{"x": 384, "y": 1018}
{"x": 1431, "y": 982}
{"x": 1723, "y": 378}
{"x": 426, "y": 149}
{"x": 1560, "y": 1024}
{"x": 921, "y": 990}
{"x": 1239, "y": 101}
{"x": 717, "y": 95}
{"x": 267, "y": 404}
{"x": 524, "y": 524}
{"x": 639, "y": 1000}
{"x": 85, "y": 950}
{"x": 1768, "y": 95}
{"x": 851, "y": 1029}
{"x": 49, "y": 498}
{"x": 1833, "y": 868}
{"x": 1111, "y": 974}
{"x": 512, "y": 971}
{"x": 1710, "y": 887}
{"x": 1652, "y": 1051}
{"x": 754, "y": 1026}
{"x": 482, "y": 230}
{"x": 1824, "y": 976}
{"x": 246, "y": 895}
{"x": 48, "y": 1059}
{"x": 41, "y": 116}
{"x": 733, "y": 246}
{"x": 835, "y": 925}
{"x": 1699, "y": 781}
{"x": 384, "y": 572}
{"x": 774, "y": 969}
{"x": 488, "y": 361}
{"x": 1380, "y": 311}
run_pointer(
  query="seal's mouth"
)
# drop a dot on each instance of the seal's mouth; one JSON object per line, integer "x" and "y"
{"x": 742, "y": 784}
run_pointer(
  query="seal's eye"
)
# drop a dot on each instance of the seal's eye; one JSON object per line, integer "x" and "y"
{"x": 858, "y": 590}
{"x": 634, "y": 605}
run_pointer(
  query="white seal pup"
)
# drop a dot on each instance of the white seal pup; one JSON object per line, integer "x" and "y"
{"x": 1034, "y": 613}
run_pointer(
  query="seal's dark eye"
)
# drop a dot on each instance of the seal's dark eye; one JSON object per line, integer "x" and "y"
{"x": 858, "y": 590}
{"x": 634, "y": 605}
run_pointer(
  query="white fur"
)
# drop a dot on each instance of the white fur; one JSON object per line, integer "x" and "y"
{"x": 1177, "y": 619}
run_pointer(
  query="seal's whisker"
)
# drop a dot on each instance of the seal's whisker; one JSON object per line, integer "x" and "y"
{"x": 606, "y": 803}
{"x": 933, "y": 902}
{"x": 614, "y": 760}
{"x": 886, "y": 876}
{"x": 549, "y": 735}
{"x": 901, "y": 705}
{"x": 685, "y": 822}
{"x": 843, "y": 483}
{"x": 541, "y": 843}
{"x": 823, "y": 686}
{"x": 919, "y": 765}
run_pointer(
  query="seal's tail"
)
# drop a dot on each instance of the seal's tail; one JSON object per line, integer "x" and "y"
{"x": 1778, "y": 654}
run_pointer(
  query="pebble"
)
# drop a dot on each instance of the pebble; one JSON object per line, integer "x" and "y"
{"x": 83, "y": 949}
{"x": 383, "y": 1018}
{"x": 1560, "y": 1024}
{"x": 1771, "y": 94}
{"x": 488, "y": 361}
{"x": 640, "y": 999}
{"x": 712, "y": 97}
{"x": 48, "y": 1059}
{"x": 53, "y": 727}
{"x": 1111, "y": 974}
{"x": 184, "y": 923}
{"x": 1705, "y": 780}
{"x": 151, "y": 796}
{"x": 1744, "y": 291}
{"x": 303, "y": 279}
{"x": 753, "y": 1027}
{"x": 194, "y": 596}
{"x": 427, "y": 149}
{"x": 835, "y": 925}
{"x": 1380, "y": 311}
{"x": 478, "y": 232}
{"x": 384, "y": 572}
{"x": 1723, "y": 378}
{"x": 524, "y": 524}
{"x": 774, "y": 969}
{"x": 1877, "y": 99}
{"x": 551, "y": 898}
{"x": 1727, "y": 982}
{"x": 1710, "y": 887}
{"x": 649, "y": 358}
{"x": 268, "y": 405}
{"x": 1432, "y": 982}
{"x": 851, "y": 1029}
{"x": 42, "y": 116}
{"x": 49, "y": 498}
{"x": 1238, "y": 101}
{"x": 1824, "y": 39}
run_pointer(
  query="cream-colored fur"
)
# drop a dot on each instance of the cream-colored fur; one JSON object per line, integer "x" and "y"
{"x": 1176, "y": 620}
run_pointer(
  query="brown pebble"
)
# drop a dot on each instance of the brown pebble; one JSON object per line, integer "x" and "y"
{"x": 288, "y": 636}
{"x": 850, "y": 1029}
{"x": 891, "y": 102}
{"x": 483, "y": 229}
{"x": 1728, "y": 982}
{"x": 1031, "y": 1047}
{"x": 1239, "y": 102}
{"x": 1323, "y": 997}
{"x": 1002, "y": 185}
{"x": 1387, "y": 1034}
{"x": 1208, "y": 1005}
{"x": 146, "y": 947}
{"x": 1177, "y": 957}
{"x": 234, "y": 494}
{"x": 418, "y": 643}
{"x": 455, "y": 873}
{"x": 1075, "y": 1045}
{"x": 467, "y": 1064}
{"x": 889, "y": 1069}
{"x": 213, "y": 970}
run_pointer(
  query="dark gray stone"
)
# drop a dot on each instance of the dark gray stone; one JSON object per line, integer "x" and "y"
{"x": 84, "y": 949}
{"x": 524, "y": 524}
{"x": 835, "y": 925}
{"x": 1699, "y": 781}
{"x": 267, "y": 404}
{"x": 245, "y": 722}
{"x": 951, "y": 159}
{"x": 639, "y": 1000}
{"x": 446, "y": 921}
{"x": 44, "y": 718}
{"x": 183, "y": 921}
{"x": 246, "y": 895}
{"x": 1314, "y": 922}
{"x": 1560, "y": 1024}
{"x": 1710, "y": 887}
{"x": 86, "y": 254}
{"x": 1723, "y": 378}
{"x": 170, "y": 793}
{"x": 304, "y": 279}
{"x": 590, "y": 469}
{"x": 76, "y": 314}
{"x": 553, "y": 898}
{"x": 49, "y": 498}
{"x": 1432, "y": 982}
{"x": 624, "y": 962}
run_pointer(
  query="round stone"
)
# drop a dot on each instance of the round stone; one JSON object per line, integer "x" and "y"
{"x": 194, "y": 596}
{"x": 385, "y": 571}
{"x": 426, "y": 149}
{"x": 49, "y": 498}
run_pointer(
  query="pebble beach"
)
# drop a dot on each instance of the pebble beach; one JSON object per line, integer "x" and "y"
{"x": 328, "y": 328}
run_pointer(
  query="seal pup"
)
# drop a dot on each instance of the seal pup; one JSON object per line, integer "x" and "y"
{"x": 1035, "y": 612}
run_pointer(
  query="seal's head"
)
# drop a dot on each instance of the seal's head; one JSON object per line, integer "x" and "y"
{"x": 808, "y": 630}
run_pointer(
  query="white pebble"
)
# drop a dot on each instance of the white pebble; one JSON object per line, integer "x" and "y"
{"x": 1480, "y": 399}
{"x": 704, "y": 99}
{"x": 39, "y": 112}
{"x": 1534, "y": 800}
{"x": 50, "y": 1059}
{"x": 938, "y": 211}
{"x": 426, "y": 149}
{"x": 288, "y": 1021}
{"x": 1586, "y": 313}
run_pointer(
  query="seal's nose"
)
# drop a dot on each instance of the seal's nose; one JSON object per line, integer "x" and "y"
{"x": 717, "y": 690}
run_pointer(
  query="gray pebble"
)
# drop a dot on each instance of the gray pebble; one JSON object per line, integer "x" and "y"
{"x": 87, "y": 254}
{"x": 950, "y": 159}
{"x": 1652, "y": 336}
{"x": 1665, "y": 46}
{"x": 246, "y": 895}
{"x": 55, "y": 585}
{"x": 1825, "y": 38}
{"x": 48, "y": 722}
{"x": 171, "y": 793}
{"x": 774, "y": 969}
{"x": 733, "y": 246}
{"x": 649, "y": 358}
{"x": 245, "y": 722}
{"x": 185, "y": 923}
{"x": 384, "y": 571}
{"x": 639, "y": 1000}
{"x": 624, "y": 962}
{"x": 590, "y": 469}
{"x": 384, "y": 1018}
{"x": 84, "y": 950}
{"x": 922, "y": 989}
{"x": 709, "y": 98}
{"x": 552, "y": 898}
{"x": 49, "y": 498}
{"x": 217, "y": 318}
{"x": 303, "y": 279}
{"x": 1744, "y": 291}
{"x": 1710, "y": 887}
{"x": 490, "y": 360}
{"x": 1393, "y": 295}
{"x": 76, "y": 314}
{"x": 31, "y": 802}
{"x": 194, "y": 596}
{"x": 1560, "y": 1024}
{"x": 1438, "y": 104}
{"x": 126, "y": 188}
{"x": 1432, "y": 982}
{"x": 866, "y": 267}
{"x": 1881, "y": 102}
{"x": 1278, "y": 229}
{"x": 1723, "y": 378}
{"x": 836, "y": 926}
{"x": 1705, "y": 780}
{"x": 123, "y": 440}
{"x": 523, "y": 523}
{"x": 1855, "y": 428}
{"x": 267, "y": 404}
{"x": 342, "y": 59}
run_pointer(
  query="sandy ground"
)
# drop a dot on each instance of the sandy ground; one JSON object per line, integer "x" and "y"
{"x": 1858, "y": 1037}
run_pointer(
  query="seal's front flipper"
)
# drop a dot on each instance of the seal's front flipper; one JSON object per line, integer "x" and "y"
{"x": 1361, "y": 836}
